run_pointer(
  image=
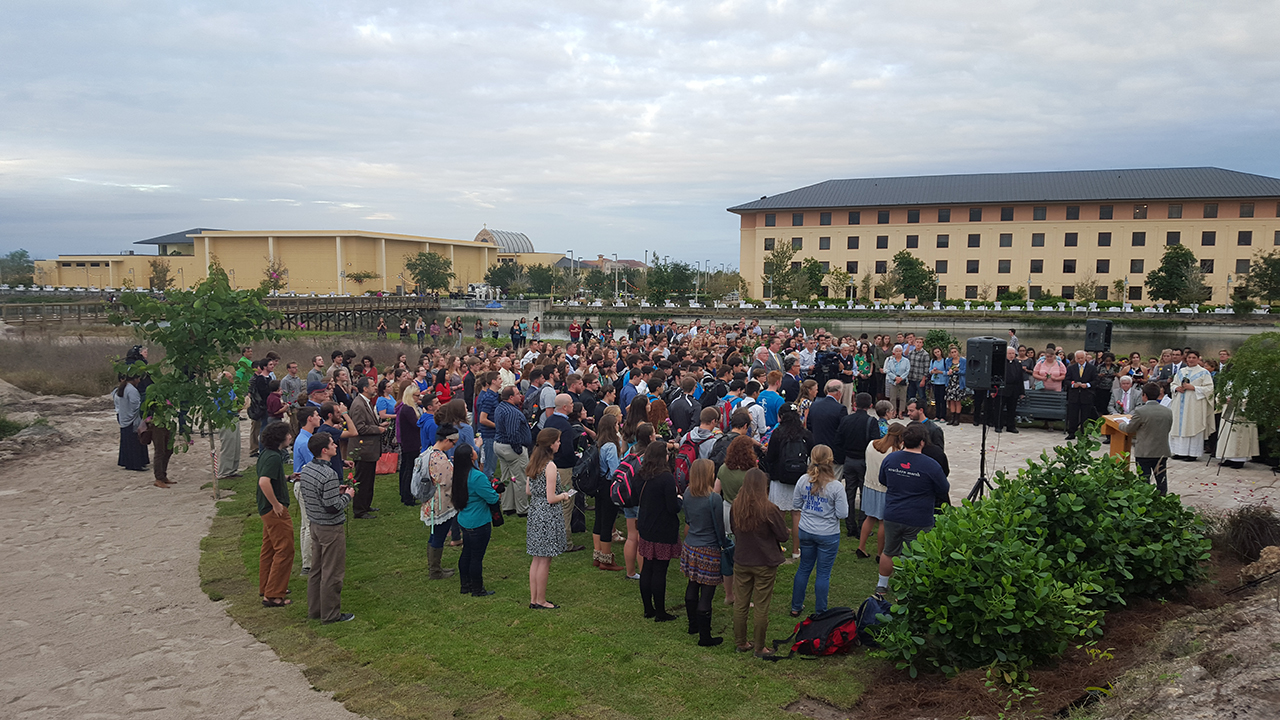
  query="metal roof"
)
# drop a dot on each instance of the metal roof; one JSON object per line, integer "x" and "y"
{"x": 1064, "y": 186}
{"x": 178, "y": 238}
{"x": 507, "y": 241}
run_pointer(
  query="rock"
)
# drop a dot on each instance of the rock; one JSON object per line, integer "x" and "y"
{"x": 1268, "y": 562}
{"x": 25, "y": 417}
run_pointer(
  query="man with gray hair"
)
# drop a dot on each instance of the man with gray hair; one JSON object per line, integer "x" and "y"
{"x": 825, "y": 415}
{"x": 1124, "y": 396}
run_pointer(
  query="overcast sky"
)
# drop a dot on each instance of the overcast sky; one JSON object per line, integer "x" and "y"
{"x": 600, "y": 127}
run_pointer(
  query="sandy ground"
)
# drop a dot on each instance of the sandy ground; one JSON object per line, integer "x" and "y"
{"x": 103, "y": 616}
{"x": 103, "y": 613}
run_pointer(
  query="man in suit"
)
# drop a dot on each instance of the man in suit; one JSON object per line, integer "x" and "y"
{"x": 824, "y": 418}
{"x": 856, "y": 430}
{"x": 1006, "y": 415}
{"x": 1124, "y": 396}
{"x": 1081, "y": 376}
{"x": 790, "y": 379}
{"x": 1150, "y": 425}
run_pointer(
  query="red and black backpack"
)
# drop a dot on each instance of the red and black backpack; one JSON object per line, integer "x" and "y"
{"x": 831, "y": 632}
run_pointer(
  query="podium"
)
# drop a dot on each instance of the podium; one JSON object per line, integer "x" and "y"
{"x": 1121, "y": 443}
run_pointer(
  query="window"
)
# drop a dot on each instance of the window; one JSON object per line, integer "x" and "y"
{"x": 1073, "y": 212}
{"x": 851, "y": 267}
{"x": 1140, "y": 211}
{"x": 795, "y": 266}
{"x": 1135, "y": 292}
{"x": 1104, "y": 266}
{"x": 942, "y": 292}
{"x": 855, "y": 217}
{"x": 1071, "y": 240}
{"x": 797, "y": 219}
{"x": 1100, "y": 292}
{"x": 1245, "y": 237}
{"x": 882, "y": 217}
{"x": 1037, "y": 239}
{"x": 1037, "y": 266}
{"x": 768, "y": 244}
{"x": 1039, "y": 213}
{"x": 1104, "y": 239}
{"x": 1006, "y": 214}
{"x": 1173, "y": 237}
{"x": 975, "y": 214}
{"x": 1206, "y": 266}
{"x": 1211, "y": 210}
{"x": 79, "y": 264}
{"x": 913, "y": 216}
{"x": 1068, "y": 292}
{"x": 1276, "y": 241}
{"x": 1139, "y": 239}
{"x": 882, "y": 267}
{"x": 913, "y": 241}
{"x": 1069, "y": 267}
{"x": 1208, "y": 237}
{"x": 1136, "y": 265}
{"x": 1105, "y": 212}
{"x": 853, "y": 242}
{"x": 768, "y": 268}
{"x": 1242, "y": 266}
{"x": 824, "y": 218}
{"x": 824, "y": 243}
{"x": 944, "y": 241}
{"x": 95, "y": 265}
{"x": 1175, "y": 211}
{"x": 797, "y": 243}
{"x": 1033, "y": 292}
{"x": 1001, "y": 289}
{"x": 944, "y": 214}
{"x": 1006, "y": 239}
{"x": 770, "y": 220}
{"x": 975, "y": 240}
{"x": 970, "y": 292}
{"x": 826, "y": 267}
{"x": 971, "y": 266}
{"x": 940, "y": 267}
{"x": 66, "y": 264}
{"x": 882, "y": 242}
{"x": 1004, "y": 266}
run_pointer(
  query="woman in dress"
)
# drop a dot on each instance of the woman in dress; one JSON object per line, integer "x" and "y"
{"x": 659, "y": 528}
{"x": 808, "y": 393}
{"x": 479, "y": 331}
{"x": 545, "y": 538}
{"x": 873, "y": 493}
{"x": 609, "y": 446}
{"x": 863, "y": 365}
{"x": 759, "y": 531}
{"x": 700, "y": 554}
{"x": 128, "y": 402}
{"x": 938, "y": 381}
{"x": 441, "y": 388}
{"x": 472, "y": 496}
{"x": 821, "y": 502}
{"x": 954, "y": 368}
{"x": 785, "y": 444}
{"x": 410, "y": 442}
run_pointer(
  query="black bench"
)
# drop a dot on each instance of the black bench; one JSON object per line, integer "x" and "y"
{"x": 1043, "y": 405}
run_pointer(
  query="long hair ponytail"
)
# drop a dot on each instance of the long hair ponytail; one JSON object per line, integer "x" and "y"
{"x": 462, "y": 463}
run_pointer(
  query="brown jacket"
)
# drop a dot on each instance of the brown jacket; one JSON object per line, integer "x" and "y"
{"x": 364, "y": 417}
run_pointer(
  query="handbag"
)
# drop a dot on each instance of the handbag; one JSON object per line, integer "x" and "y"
{"x": 388, "y": 463}
{"x": 144, "y": 432}
{"x": 726, "y": 560}
{"x": 495, "y": 511}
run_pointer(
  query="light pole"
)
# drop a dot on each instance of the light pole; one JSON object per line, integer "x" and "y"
{"x": 182, "y": 280}
{"x": 232, "y": 273}
{"x": 615, "y": 276}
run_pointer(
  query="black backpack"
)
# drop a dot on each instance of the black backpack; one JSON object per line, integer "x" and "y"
{"x": 586, "y": 472}
{"x": 794, "y": 459}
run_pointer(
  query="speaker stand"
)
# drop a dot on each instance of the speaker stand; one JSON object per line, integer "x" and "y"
{"x": 983, "y": 485}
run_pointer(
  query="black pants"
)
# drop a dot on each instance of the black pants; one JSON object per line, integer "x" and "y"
{"x": 1004, "y": 413}
{"x": 1077, "y": 413}
{"x": 606, "y": 514}
{"x": 980, "y": 403}
{"x": 1157, "y": 469}
{"x": 471, "y": 564}
{"x": 364, "y": 489}
{"x": 855, "y": 475}
{"x": 406, "y": 477}
{"x": 653, "y": 587}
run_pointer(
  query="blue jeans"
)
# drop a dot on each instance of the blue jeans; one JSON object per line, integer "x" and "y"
{"x": 820, "y": 550}
{"x": 440, "y": 531}
{"x": 487, "y": 455}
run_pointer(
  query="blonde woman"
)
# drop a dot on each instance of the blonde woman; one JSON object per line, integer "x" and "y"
{"x": 822, "y": 504}
{"x": 873, "y": 493}
{"x": 407, "y": 413}
{"x": 545, "y": 538}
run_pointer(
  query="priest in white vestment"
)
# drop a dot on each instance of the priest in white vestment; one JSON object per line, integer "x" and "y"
{"x": 1237, "y": 436}
{"x": 1192, "y": 406}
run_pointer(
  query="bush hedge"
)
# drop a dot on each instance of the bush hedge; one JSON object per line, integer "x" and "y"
{"x": 1017, "y": 577}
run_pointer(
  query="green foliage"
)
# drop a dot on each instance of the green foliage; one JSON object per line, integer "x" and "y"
{"x": 541, "y": 279}
{"x": 777, "y": 276}
{"x": 1016, "y": 296}
{"x": 1178, "y": 278}
{"x": 866, "y": 285}
{"x": 431, "y": 271}
{"x": 9, "y": 427}
{"x": 913, "y": 278}
{"x": 1254, "y": 375}
{"x": 838, "y": 283}
{"x": 362, "y": 277}
{"x": 668, "y": 280}
{"x": 1264, "y": 277}
{"x": 160, "y": 278}
{"x": 1016, "y": 577}
{"x": 1243, "y": 306}
{"x": 807, "y": 281}
{"x": 938, "y": 338}
{"x": 17, "y": 267}
{"x": 275, "y": 276}
{"x": 598, "y": 283}
{"x": 722, "y": 282}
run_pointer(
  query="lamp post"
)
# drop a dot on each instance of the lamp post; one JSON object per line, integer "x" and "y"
{"x": 232, "y": 273}
{"x": 182, "y": 280}
{"x": 615, "y": 276}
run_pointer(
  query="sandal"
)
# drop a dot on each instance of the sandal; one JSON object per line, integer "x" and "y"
{"x": 276, "y": 603}
{"x": 795, "y": 613}
{"x": 767, "y": 654}
{"x": 748, "y": 648}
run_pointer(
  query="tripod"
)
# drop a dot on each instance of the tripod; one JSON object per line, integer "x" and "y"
{"x": 983, "y": 485}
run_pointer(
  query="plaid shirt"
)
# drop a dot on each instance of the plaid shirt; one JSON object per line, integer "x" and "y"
{"x": 919, "y": 364}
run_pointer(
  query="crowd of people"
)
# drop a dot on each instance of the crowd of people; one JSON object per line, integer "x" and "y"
{"x": 757, "y": 441}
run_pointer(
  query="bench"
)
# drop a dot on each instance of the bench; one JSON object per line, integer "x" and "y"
{"x": 1043, "y": 405}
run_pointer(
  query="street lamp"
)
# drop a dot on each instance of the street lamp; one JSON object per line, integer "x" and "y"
{"x": 615, "y": 276}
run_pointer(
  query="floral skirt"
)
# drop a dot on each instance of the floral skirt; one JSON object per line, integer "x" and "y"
{"x": 701, "y": 564}
{"x": 954, "y": 392}
{"x": 657, "y": 551}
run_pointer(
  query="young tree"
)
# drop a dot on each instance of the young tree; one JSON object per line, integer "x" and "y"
{"x": 777, "y": 269}
{"x": 1086, "y": 288}
{"x": 1177, "y": 279}
{"x": 362, "y": 277}
{"x": 598, "y": 282}
{"x": 200, "y": 330}
{"x": 1255, "y": 376}
{"x": 838, "y": 283}
{"x": 1264, "y": 278}
{"x": 659, "y": 282}
{"x": 806, "y": 282}
{"x": 914, "y": 278}
{"x": 160, "y": 278}
{"x": 722, "y": 283}
{"x": 887, "y": 286}
{"x": 867, "y": 284}
{"x": 274, "y": 275}
{"x": 501, "y": 275}
{"x": 541, "y": 278}
{"x": 1119, "y": 286}
{"x": 431, "y": 271}
{"x": 17, "y": 268}
{"x": 984, "y": 292}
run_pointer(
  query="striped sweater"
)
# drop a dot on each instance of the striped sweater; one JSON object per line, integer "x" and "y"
{"x": 322, "y": 500}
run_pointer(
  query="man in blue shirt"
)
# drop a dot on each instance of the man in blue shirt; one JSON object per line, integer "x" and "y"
{"x": 915, "y": 484}
{"x": 308, "y": 424}
{"x": 486, "y": 406}
{"x": 771, "y": 400}
{"x": 511, "y": 440}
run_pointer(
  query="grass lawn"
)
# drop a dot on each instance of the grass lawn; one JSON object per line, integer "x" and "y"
{"x": 418, "y": 648}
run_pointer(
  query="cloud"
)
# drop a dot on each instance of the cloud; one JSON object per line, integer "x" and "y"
{"x": 609, "y": 126}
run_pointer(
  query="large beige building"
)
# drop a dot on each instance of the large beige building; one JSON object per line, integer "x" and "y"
{"x": 313, "y": 261}
{"x": 1045, "y": 231}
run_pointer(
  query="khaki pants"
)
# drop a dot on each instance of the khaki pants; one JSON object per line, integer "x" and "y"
{"x": 512, "y": 464}
{"x": 898, "y": 396}
{"x": 304, "y": 532}
{"x": 275, "y": 562}
{"x": 564, "y": 481}
{"x": 752, "y": 584}
{"x": 324, "y": 586}
{"x": 229, "y": 451}
{"x": 255, "y": 435}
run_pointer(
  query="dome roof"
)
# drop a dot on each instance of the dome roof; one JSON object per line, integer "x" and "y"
{"x": 507, "y": 241}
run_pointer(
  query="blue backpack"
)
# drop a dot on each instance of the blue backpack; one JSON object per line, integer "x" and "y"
{"x": 868, "y": 615}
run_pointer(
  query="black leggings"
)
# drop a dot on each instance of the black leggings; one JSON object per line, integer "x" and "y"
{"x": 653, "y": 586}
{"x": 606, "y": 515}
{"x": 701, "y": 595}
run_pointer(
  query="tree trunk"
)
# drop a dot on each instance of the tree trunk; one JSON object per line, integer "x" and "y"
{"x": 213, "y": 458}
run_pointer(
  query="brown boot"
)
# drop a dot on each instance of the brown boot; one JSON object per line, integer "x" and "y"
{"x": 433, "y": 564}
{"x": 606, "y": 562}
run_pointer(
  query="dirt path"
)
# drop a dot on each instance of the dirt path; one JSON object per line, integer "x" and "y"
{"x": 102, "y": 612}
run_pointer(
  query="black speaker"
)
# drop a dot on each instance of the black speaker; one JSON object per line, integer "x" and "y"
{"x": 1097, "y": 335}
{"x": 984, "y": 362}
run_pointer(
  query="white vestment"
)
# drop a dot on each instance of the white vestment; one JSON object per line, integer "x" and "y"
{"x": 1192, "y": 411}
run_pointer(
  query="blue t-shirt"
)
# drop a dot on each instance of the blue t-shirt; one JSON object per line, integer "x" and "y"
{"x": 301, "y": 453}
{"x": 486, "y": 402}
{"x": 915, "y": 482}
{"x": 385, "y": 405}
{"x": 940, "y": 377}
{"x": 772, "y": 402}
{"x": 336, "y": 432}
